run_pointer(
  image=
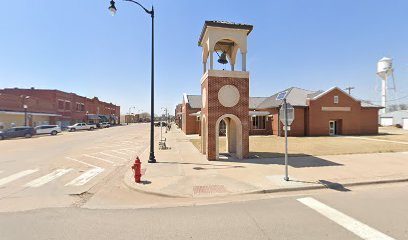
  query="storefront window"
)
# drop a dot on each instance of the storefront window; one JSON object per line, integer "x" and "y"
{"x": 258, "y": 122}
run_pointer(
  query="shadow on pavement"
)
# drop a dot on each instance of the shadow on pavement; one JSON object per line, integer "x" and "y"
{"x": 334, "y": 186}
{"x": 211, "y": 166}
{"x": 331, "y": 185}
{"x": 294, "y": 161}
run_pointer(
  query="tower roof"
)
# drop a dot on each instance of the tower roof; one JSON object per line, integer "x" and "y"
{"x": 224, "y": 24}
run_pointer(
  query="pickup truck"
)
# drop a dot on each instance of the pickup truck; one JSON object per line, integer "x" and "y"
{"x": 81, "y": 126}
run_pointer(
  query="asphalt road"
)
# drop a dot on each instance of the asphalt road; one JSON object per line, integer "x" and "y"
{"x": 71, "y": 187}
{"x": 379, "y": 213}
{"x": 59, "y": 171}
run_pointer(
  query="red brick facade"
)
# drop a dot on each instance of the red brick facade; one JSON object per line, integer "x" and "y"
{"x": 313, "y": 120}
{"x": 190, "y": 124}
{"x": 352, "y": 120}
{"x": 213, "y": 110}
{"x": 69, "y": 107}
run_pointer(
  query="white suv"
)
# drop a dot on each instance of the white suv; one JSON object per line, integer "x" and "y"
{"x": 48, "y": 129}
{"x": 105, "y": 124}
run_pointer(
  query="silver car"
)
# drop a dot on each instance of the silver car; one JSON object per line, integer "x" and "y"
{"x": 48, "y": 129}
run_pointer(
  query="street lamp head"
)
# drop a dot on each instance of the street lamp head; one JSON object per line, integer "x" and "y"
{"x": 112, "y": 8}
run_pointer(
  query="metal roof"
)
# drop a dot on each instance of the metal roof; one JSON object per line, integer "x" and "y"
{"x": 368, "y": 104}
{"x": 295, "y": 96}
{"x": 254, "y": 102}
{"x": 194, "y": 101}
{"x": 224, "y": 24}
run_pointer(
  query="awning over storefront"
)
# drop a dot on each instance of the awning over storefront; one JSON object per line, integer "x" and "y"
{"x": 92, "y": 117}
{"x": 31, "y": 113}
{"x": 258, "y": 113}
{"x": 102, "y": 118}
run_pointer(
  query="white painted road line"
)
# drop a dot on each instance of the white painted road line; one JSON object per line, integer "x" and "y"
{"x": 110, "y": 155}
{"x": 360, "y": 229}
{"x": 128, "y": 150}
{"x": 378, "y": 140}
{"x": 119, "y": 152}
{"x": 16, "y": 176}
{"x": 85, "y": 163}
{"x": 48, "y": 178}
{"x": 85, "y": 177}
{"x": 98, "y": 158}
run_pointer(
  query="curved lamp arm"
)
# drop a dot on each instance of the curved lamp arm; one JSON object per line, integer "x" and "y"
{"x": 147, "y": 11}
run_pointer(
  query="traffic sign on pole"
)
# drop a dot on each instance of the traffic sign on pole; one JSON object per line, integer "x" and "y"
{"x": 290, "y": 113}
{"x": 286, "y": 116}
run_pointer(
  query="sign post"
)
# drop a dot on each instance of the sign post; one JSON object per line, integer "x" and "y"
{"x": 286, "y": 115}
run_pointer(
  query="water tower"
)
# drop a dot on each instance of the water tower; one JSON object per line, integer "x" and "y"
{"x": 384, "y": 70}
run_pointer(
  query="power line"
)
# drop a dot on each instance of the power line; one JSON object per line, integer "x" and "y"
{"x": 394, "y": 99}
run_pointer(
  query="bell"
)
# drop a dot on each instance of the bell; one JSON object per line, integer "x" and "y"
{"x": 223, "y": 58}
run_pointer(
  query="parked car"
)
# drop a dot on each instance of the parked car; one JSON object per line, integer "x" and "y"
{"x": 48, "y": 129}
{"x": 105, "y": 125}
{"x": 15, "y": 132}
{"x": 157, "y": 124}
{"x": 81, "y": 126}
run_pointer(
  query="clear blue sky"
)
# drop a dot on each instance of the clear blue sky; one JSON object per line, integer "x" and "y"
{"x": 76, "y": 46}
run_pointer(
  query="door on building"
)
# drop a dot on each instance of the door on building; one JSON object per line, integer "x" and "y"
{"x": 332, "y": 128}
{"x": 405, "y": 123}
{"x": 386, "y": 121}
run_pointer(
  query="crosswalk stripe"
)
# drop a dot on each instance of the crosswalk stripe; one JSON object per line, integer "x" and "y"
{"x": 128, "y": 150}
{"x": 98, "y": 158}
{"x": 110, "y": 155}
{"x": 16, "y": 176}
{"x": 48, "y": 178}
{"x": 76, "y": 160}
{"x": 85, "y": 177}
{"x": 358, "y": 228}
{"x": 119, "y": 152}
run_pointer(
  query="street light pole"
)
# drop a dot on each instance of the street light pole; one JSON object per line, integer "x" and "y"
{"x": 112, "y": 9}
{"x": 25, "y": 108}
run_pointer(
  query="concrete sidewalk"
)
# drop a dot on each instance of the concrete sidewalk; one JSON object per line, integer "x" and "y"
{"x": 183, "y": 171}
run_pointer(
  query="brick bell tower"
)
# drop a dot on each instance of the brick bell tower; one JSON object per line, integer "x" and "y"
{"x": 225, "y": 93}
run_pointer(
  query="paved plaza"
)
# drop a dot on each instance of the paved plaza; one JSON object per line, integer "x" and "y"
{"x": 183, "y": 171}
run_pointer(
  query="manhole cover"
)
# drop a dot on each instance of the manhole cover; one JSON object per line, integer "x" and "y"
{"x": 209, "y": 189}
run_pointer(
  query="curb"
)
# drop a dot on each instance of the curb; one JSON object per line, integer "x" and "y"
{"x": 275, "y": 190}
{"x": 132, "y": 187}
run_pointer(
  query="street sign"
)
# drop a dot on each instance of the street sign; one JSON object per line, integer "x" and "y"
{"x": 291, "y": 114}
{"x": 281, "y": 95}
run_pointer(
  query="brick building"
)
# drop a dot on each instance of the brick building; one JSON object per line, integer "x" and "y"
{"x": 45, "y": 106}
{"x": 225, "y": 99}
{"x": 317, "y": 113}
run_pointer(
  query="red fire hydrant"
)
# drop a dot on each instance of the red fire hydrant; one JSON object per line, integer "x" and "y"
{"x": 137, "y": 170}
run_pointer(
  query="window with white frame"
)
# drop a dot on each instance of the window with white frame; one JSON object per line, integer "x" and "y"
{"x": 336, "y": 99}
{"x": 258, "y": 122}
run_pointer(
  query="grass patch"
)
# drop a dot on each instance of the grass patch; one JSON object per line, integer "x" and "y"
{"x": 273, "y": 146}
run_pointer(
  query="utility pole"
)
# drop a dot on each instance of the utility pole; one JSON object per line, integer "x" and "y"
{"x": 349, "y": 89}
